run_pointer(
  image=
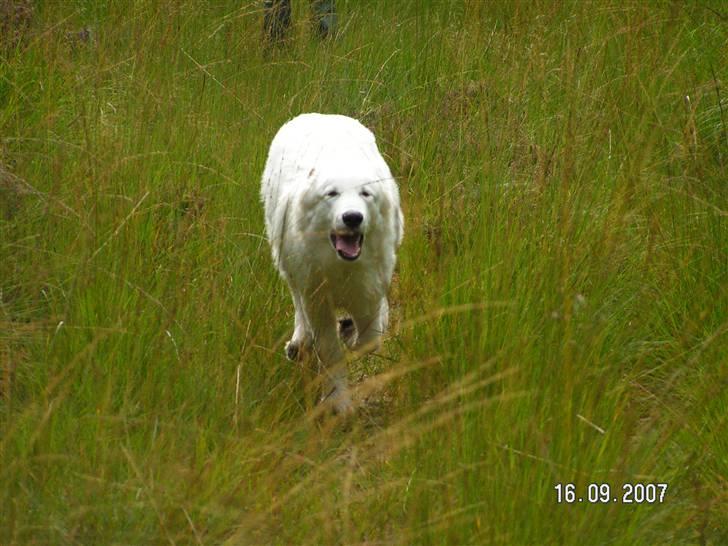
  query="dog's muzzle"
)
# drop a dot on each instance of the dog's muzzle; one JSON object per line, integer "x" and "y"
{"x": 347, "y": 244}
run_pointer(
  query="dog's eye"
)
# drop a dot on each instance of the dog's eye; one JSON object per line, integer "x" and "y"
{"x": 365, "y": 193}
{"x": 332, "y": 193}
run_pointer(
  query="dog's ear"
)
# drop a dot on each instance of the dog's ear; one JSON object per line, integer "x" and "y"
{"x": 397, "y": 213}
{"x": 278, "y": 228}
{"x": 398, "y": 224}
{"x": 391, "y": 208}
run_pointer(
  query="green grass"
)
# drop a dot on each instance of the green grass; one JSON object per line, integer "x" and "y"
{"x": 559, "y": 310}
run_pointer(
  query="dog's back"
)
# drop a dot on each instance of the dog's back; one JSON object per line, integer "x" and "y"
{"x": 310, "y": 142}
{"x": 300, "y": 144}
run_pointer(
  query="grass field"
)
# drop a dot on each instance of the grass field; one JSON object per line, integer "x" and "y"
{"x": 559, "y": 310}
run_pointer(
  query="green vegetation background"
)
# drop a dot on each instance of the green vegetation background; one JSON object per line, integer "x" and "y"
{"x": 559, "y": 312}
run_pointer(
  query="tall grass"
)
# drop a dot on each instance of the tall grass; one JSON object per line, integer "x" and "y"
{"x": 558, "y": 315}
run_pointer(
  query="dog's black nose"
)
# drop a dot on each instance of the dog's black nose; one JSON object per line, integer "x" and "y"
{"x": 352, "y": 218}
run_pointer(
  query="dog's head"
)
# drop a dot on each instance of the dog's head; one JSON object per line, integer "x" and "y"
{"x": 349, "y": 210}
{"x": 352, "y": 207}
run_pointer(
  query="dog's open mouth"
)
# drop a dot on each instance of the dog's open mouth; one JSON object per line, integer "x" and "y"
{"x": 347, "y": 245}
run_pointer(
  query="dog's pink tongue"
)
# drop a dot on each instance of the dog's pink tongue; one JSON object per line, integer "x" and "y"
{"x": 348, "y": 244}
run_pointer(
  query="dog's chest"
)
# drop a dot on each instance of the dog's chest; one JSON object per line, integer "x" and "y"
{"x": 343, "y": 283}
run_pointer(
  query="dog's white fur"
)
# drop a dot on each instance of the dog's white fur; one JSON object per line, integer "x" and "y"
{"x": 320, "y": 167}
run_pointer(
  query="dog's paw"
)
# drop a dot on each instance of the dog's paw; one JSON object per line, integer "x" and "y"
{"x": 344, "y": 407}
{"x": 339, "y": 402}
{"x": 294, "y": 351}
{"x": 367, "y": 346}
{"x": 347, "y": 332}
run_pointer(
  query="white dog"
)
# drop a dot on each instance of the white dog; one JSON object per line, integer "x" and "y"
{"x": 334, "y": 223}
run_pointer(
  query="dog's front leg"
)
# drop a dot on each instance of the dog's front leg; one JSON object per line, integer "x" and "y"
{"x": 301, "y": 340}
{"x": 333, "y": 359}
{"x": 371, "y": 323}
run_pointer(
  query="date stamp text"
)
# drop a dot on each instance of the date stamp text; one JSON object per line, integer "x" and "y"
{"x": 604, "y": 493}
